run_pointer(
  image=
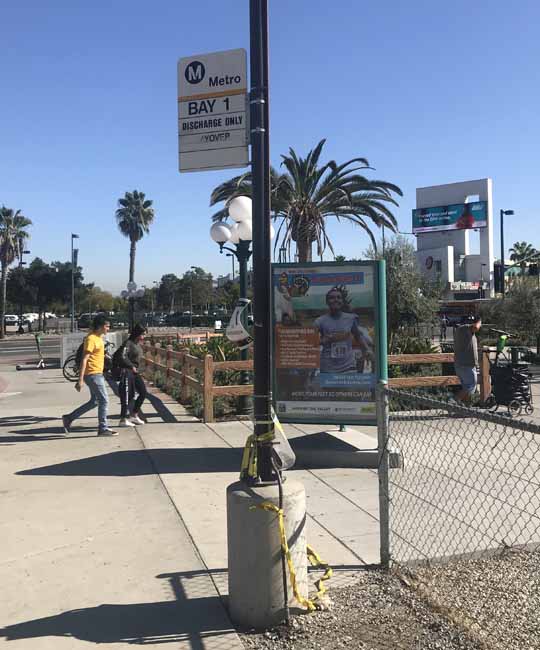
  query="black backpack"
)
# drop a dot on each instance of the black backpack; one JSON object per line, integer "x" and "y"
{"x": 79, "y": 354}
{"x": 118, "y": 362}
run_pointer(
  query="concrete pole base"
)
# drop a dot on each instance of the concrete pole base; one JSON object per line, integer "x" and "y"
{"x": 256, "y": 594}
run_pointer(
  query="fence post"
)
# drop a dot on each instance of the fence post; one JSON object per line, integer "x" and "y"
{"x": 168, "y": 363}
{"x": 183, "y": 384}
{"x": 208, "y": 388}
{"x": 144, "y": 368}
{"x": 485, "y": 382}
{"x": 383, "y": 473}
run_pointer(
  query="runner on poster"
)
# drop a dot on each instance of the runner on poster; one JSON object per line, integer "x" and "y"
{"x": 324, "y": 342}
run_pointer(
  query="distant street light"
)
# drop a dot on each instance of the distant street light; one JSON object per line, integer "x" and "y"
{"x": 508, "y": 213}
{"x": 130, "y": 294}
{"x": 73, "y": 263}
{"x": 232, "y": 256}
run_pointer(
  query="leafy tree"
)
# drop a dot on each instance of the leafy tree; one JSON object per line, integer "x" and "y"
{"x": 168, "y": 291}
{"x": 410, "y": 297}
{"x": 227, "y": 294}
{"x": 308, "y": 194}
{"x": 20, "y": 293}
{"x": 13, "y": 235}
{"x": 199, "y": 283}
{"x": 521, "y": 253}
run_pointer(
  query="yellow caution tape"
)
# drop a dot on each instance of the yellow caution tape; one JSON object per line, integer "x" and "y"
{"x": 310, "y": 604}
{"x": 248, "y": 468}
{"x": 316, "y": 561}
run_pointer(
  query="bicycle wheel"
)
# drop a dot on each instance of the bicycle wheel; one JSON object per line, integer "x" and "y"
{"x": 70, "y": 369}
{"x": 514, "y": 408}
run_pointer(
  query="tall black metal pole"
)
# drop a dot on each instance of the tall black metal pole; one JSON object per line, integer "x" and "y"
{"x": 502, "y": 253}
{"x": 243, "y": 253}
{"x": 72, "y": 287}
{"x": 260, "y": 168}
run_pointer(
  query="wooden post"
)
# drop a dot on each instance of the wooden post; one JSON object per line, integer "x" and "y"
{"x": 144, "y": 368}
{"x": 183, "y": 385}
{"x": 208, "y": 388}
{"x": 168, "y": 363}
{"x": 485, "y": 380}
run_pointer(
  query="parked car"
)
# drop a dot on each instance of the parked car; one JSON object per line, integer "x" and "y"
{"x": 11, "y": 319}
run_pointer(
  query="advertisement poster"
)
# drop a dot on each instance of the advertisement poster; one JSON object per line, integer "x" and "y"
{"x": 461, "y": 216}
{"x": 325, "y": 340}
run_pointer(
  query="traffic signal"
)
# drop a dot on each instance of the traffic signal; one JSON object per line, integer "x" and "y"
{"x": 533, "y": 269}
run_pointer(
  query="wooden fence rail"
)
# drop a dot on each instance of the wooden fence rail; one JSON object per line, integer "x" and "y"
{"x": 197, "y": 375}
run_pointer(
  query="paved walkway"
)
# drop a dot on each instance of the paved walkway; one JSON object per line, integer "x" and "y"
{"x": 122, "y": 541}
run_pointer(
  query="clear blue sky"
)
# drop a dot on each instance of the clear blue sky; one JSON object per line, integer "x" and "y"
{"x": 429, "y": 92}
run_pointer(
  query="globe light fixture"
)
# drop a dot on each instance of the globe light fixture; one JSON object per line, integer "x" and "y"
{"x": 220, "y": 232}
{"x": 240, "y": 209}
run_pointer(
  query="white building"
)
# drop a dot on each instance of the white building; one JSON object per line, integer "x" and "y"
{"x": 444, "y": 218}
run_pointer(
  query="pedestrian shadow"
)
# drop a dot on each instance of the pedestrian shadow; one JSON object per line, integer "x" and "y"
{"x": 158, "y": 405}
{"x": 17, "y": 420}
{"x": 193, "y": 618}
{"x": 141, "y": 462}
{"x": 4, "y": 440}
{"x": 52, "y": 431}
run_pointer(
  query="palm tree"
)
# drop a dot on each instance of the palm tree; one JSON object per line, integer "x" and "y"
{"x": 134, "y": 216}
{"x": 306, "y": 195}
{"x": 13, "y": 236}
{"x": 521, "y": 253}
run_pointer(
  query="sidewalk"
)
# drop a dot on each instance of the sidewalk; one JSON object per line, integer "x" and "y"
{"x": 123, "y": 540}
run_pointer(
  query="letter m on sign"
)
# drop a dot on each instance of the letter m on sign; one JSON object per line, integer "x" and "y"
{"x": 195, "y": 72}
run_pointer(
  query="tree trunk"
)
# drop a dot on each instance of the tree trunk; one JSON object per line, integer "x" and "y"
{"x": 132, "y": 260}
{"x": 304, "y": 250}
{"x": 3, "y": 302}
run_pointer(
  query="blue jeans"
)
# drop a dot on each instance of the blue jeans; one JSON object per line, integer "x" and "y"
{"x": 98, "y": 397}
{"x": 468, "y": 377}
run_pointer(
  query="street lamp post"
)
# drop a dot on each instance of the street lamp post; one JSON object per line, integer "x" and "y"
{"x": 240, "y": 235}
{"x": 21, "y": 264}
{"x": 130, "y": 294}
{"x": 232, "y": 256}
{"x": 503, "y": 212}
{"x": 482, "y": 290}
{"x": 73, "y": 236}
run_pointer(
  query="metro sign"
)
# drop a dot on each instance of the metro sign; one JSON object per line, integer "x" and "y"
{"x": 212, "y": 111}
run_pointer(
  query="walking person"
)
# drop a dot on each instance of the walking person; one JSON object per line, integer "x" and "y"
{"x": 131, "y": 382}
{"x": 466, "y": 358}
{"x": 91, "y": 374}
{"x": 444, "y": 325}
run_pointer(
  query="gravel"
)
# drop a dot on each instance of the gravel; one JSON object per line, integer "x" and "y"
{"x": 377, "y": 613}
{"x": 491, "y": 603}
{"x": 497, "y": 598}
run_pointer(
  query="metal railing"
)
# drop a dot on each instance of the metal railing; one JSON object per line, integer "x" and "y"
{"x": 464, "y": 515}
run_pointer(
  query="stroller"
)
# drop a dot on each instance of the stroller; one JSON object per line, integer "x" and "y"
{"x": 510, "y": 378}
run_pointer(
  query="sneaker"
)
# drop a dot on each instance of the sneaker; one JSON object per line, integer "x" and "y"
{"x": 107, "y": 432}
{"x": 135, "y": 419}
{"x": 66, "y": 423}
{"x": 124, "y": 422}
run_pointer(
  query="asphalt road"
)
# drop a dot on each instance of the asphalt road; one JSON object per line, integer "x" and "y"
{"x": 22, "y": 349}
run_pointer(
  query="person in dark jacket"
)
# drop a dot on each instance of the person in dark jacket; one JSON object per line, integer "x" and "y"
{"x": 466, "y": 357}
{"x": 131, "y": 381}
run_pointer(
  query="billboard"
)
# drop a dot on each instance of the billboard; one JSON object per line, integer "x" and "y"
{"x": 460, "y": 216}
{"x": 325, "y": 341}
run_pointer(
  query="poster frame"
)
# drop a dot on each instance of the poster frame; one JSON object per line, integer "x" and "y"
{"x": 380, "y": 331}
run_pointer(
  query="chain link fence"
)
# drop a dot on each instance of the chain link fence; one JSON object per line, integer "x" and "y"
{"x": 464, "y": 519}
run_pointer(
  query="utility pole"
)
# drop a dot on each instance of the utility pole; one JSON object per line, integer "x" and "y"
{"x": 73, "y": 264}
{"x": 260, "y": 173}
